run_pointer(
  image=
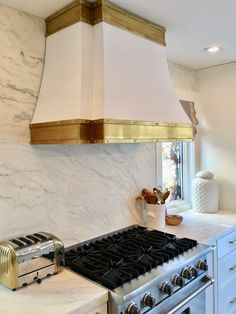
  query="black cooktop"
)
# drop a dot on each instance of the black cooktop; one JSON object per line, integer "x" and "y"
{"x": 116, "y": 259}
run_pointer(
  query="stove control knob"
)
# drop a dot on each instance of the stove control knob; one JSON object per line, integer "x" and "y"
{"x": 202, "y": 265}
{"x": 194, "y": 271}
{"x": 178, "y": 281}
{"x": 166, "y": 288}
{"x": 149, "y": 300}
{"x": 133, "y": 309}
{"x": 186, "y": 273}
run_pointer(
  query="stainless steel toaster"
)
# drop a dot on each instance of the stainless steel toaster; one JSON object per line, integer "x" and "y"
{"x": 30, "y": 258}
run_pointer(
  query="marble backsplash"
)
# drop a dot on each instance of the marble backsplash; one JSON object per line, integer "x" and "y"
{"x": 74, "y": 191}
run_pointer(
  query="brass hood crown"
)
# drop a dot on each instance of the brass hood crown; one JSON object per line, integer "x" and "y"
{"x": 106, "y": 80}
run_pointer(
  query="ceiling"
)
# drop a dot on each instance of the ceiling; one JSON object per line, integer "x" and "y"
{"x": 191, "y": 25}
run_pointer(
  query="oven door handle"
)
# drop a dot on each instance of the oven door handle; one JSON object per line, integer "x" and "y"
{"x": 208, "y": 281}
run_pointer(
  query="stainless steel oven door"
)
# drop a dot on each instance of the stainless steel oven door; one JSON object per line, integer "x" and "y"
{"x": 191, "y": 302}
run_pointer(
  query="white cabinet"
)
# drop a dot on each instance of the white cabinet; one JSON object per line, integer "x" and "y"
{"x": 227, "y": 300}
{"x": 226, "y": 244}
{"x": 227, "y": 271}
{"x": 225, "y": 290}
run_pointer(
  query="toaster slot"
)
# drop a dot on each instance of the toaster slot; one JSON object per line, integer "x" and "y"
{"x": 26, "y": 241}
{"x": 40, "y": 236}
{"x": 33, "y": 238}
{"x": 17, "y": 242}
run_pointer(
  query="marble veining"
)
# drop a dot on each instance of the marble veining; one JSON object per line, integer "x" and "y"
{"x": 76, "y": 192}
{"x": 21, "y": 64}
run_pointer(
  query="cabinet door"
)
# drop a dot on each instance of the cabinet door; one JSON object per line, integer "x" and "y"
{"x": 227, "y": 300}
{"x": 226, "y": 244}
{"x": 227, "y": 271}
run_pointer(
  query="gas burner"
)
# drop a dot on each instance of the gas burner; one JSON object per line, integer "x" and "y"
{"x": 118, "y": 258}
{"x": 134, "y": 232}
{"x": 112, "y": 242}
{"x": 110, "y": 270}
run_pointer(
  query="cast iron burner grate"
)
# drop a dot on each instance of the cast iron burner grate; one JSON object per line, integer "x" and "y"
{"x": 118, "y": 258}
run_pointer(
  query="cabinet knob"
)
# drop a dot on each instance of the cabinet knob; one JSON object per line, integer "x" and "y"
{"x": 233, "y": 301}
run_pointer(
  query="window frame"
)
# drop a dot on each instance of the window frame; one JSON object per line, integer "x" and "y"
{"x": 188, "y": 175}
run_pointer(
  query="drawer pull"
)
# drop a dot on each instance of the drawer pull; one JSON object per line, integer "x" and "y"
{"x": 232, "y": 242}
{"x": 207, "y": 280}
{"x": 232, "y": 267}
{"x": 233, "y": 301}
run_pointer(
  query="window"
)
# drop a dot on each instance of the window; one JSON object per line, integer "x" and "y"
{"x": 172, "y": 169}
{"x": 175, "y": 171}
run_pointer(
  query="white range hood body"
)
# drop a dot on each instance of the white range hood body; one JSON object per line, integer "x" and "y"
{"x": 96, "y": 72}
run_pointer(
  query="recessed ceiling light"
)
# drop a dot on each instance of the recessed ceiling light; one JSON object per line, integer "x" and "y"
{"x": 212, "y": 49}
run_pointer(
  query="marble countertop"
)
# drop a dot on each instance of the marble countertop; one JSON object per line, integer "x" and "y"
{"x": 203, "y": 227}
{"x": 64, "y": 293}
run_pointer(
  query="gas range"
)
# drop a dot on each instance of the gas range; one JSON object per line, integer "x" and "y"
{"x": 145, "y": 271}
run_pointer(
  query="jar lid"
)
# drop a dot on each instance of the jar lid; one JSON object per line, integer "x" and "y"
{"x": 205, "y": 174}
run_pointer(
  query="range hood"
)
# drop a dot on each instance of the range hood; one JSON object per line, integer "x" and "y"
{"x": 106, "y": 80}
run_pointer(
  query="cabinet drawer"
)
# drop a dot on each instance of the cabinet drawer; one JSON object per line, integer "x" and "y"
{"x": 227, "y": 300}
{"x": 226, "y": 244}
{"x": 227, "y": 271}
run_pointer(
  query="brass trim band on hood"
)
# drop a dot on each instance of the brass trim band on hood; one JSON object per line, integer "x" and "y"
{"x": 104, "y": 11}
{"x": 61, "y": 132}
{"x": 108, "y": 131}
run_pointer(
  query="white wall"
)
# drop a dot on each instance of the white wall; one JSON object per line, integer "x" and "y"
{"x": 185, "y": 81}
{"x": 217, "y": 91}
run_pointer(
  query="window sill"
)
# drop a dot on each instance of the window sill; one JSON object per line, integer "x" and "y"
{"x": 175, "y": 207}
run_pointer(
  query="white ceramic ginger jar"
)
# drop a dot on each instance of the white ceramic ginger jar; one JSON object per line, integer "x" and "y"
{"x": 205, "y": 192}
